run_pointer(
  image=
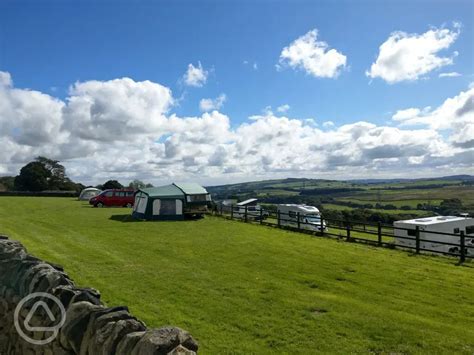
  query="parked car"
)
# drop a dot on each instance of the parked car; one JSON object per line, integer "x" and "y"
{"x": 115, "y": 197}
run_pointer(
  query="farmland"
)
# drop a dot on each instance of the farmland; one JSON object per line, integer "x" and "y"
{"x": 401, "y": 199}
{"x": 242, "y": 288}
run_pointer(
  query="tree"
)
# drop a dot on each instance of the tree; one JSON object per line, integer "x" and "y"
{"x": 33, "y": 177}
{"x": 112, "y": 184}
{"x": 7, "y": 183}
{"x": 138, "y": 184}
{"x": 451, "y": 206}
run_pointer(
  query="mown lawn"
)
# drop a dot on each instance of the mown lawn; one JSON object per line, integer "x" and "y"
{"x": 248, "y": 289}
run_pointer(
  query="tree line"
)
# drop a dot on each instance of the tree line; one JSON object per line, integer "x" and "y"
{"x": 44, "y": 174}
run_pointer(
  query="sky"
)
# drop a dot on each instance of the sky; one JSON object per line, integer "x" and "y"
{"x": 227, "y": 91}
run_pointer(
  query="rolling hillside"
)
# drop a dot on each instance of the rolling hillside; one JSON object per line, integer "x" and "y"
{"x": 404, "y": 197}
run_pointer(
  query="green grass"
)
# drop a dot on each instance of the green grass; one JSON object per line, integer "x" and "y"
{"x": 248, "y": 289}
{"x": 398, "y": 203}
{"x": 331, "y": 206}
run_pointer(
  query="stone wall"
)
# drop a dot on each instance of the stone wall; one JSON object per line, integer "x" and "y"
{"x": 89, "y": 327}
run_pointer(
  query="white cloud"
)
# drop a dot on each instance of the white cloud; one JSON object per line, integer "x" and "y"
{"x": 283, "y": 108}
{"x": 123, "y": 129}
{"x": 406, "y": 56}
{"x": 254, "y": 65}
{"x": 328, "y": 124}
{"x": 449, "y": 75}
{"x": 116, "y": 109}
{"x": 195, "y": 76}
{"x": 313, "y": 56}
{"x": 455, "y": 115}
{"x": 406, "y": 114}
{"x": 212, "y": 104}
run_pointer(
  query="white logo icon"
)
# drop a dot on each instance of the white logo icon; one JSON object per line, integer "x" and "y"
{"x": 39, "y": 304}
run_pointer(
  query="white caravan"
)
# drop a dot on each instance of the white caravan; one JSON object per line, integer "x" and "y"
{"x": 442, "y": 224}
{"x": 251, "y": 206}
{"x": 310, "y": 217}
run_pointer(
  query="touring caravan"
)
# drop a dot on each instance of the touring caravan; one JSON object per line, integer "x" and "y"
{"x": 253, "y": 209}
{"x": 431, "y": 241}
{"x": 309, "y": 217}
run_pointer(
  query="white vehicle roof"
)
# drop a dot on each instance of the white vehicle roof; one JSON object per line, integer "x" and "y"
{"x": 246, "y": 202}
{"x": 304, "y": 208}
{"x": 434, "y": 220}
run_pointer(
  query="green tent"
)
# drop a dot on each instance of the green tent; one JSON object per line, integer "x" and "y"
{"x": 170, "y": 202}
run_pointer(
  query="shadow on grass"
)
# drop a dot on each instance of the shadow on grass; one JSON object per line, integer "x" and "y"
{"x": 123, "y": 218}
{"x": 129, "y": 218}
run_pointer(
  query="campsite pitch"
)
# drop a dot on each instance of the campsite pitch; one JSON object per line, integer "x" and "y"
{"x": 241, "y": 288}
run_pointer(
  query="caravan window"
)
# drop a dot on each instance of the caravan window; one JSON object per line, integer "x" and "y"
{"x": 470, "y": 230}
{"x": 292, "y": 214}
{"x": 197, "y": 198}
{"x": 456, "y": 230}
{"x": 411, "y": 232}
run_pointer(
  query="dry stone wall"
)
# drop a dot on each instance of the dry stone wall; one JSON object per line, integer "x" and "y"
{"x": 88, "y": 327}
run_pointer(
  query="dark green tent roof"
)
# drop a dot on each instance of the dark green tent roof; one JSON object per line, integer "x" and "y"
{"x": 169, "y": 191}
{"x": 191, "y": 188}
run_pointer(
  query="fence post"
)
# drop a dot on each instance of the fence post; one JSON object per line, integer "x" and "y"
{"x": 322, "y": 225}
{"x": 261, "y": 215}
{"x": 246, "y": 213}
{"x": 462, "y": 242}
{"x": 298, "y": 219}
{"x": 221, "y": 209}
{"x": 348, "y": 232}
{"x": 231, "y": 211}
{"x": 278, "y": 219}
{"x": 379, "y": 233}
{"x": 417, "y": 235}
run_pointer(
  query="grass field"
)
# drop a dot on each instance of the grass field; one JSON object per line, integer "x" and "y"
{"x": 249, "y": 289}
{"x": 331, "y": 206}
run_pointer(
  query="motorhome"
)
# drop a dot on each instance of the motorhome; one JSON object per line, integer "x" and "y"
{"x": 431, "y": 241}
{"x": 309, "y": 217}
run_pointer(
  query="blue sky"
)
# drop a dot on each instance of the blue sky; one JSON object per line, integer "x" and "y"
{"x": 49, "y": 45}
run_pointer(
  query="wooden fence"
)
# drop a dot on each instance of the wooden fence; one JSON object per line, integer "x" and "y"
{"x": 377, "y": 234}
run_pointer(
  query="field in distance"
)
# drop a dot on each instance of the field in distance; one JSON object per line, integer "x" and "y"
{"x": 403, "y": 198}
{"x": 241, "y": 288}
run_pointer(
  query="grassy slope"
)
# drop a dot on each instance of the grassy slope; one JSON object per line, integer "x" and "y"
{"x": 251, "y": 289}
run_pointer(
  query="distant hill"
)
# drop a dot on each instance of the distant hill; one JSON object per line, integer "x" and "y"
{"x": 381, "y": 181}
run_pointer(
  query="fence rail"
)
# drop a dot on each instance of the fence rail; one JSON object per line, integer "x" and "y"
{"x": 378, "y": 234}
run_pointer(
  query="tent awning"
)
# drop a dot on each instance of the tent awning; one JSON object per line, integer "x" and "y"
{"x": 191, "y": 188}
{"x": 168, "y": 191}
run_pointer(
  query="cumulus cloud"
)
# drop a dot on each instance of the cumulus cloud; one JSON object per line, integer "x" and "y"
{"x": 406, "y": 114}
{"x": 195, "y": 76}
{"x": 212, "y": 104}
{"x": 405, "y": 57}
{"x": 116, "y": 109}
{"x": 328, "y": 124}
{"x": 283, "y": 108}
{"x": 455, "y": 114}
{"x": 312, "y": 56}
{"x": 124, "y": 129}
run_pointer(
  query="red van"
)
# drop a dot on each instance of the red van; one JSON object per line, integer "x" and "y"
{"x": 116, "y": 197}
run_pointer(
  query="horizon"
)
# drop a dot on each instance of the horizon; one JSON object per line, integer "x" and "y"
{"x": 335, "y": 91}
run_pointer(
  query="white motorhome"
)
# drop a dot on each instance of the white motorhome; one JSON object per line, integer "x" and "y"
{"x": 309, "y": 216}
{"x": 442, "y": 224}
{"x": 251, "y": 207}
